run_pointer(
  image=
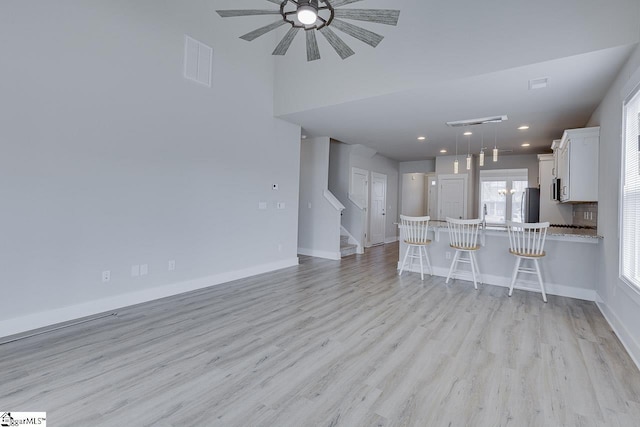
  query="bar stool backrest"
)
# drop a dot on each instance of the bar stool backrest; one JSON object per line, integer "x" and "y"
{"x": 527, "y": 239}
{"x": 463, "y": 233}
{"x": 414, "y": 228}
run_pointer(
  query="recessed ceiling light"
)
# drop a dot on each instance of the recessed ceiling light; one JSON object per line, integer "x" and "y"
{"x": 468, "y": 133}
{"x": 443, "y": 151}
{"x": 523, "y": 127}
{"x": 422, "y": 138}
{"x": 304, "y": 136}
{"x": 526, "y": 144}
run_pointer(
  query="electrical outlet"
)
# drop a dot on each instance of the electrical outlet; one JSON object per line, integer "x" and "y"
{"x": 106, "y": 276}
{"x": 447, "y": 255}
{"x": 144, "y": 269}
{"x": 135, "y": 270}
{"x": 171, "y": 266}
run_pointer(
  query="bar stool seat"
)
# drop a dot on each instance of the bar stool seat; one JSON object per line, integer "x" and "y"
{"x": 526, "y": 242}
{"x": 413, "y": 230}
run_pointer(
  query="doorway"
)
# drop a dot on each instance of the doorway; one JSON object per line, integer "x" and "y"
{"x": 377, "y": 221}
{"x": 452, "y": 196}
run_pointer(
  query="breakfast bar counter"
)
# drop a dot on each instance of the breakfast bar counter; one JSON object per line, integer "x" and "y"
{"x": 568, "y": 269}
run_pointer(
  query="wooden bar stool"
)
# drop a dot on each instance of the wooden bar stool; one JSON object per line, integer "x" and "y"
{"x": 527, "y": 243}
{"x": 463, "y": 237}
{"x": 414, "y": 232}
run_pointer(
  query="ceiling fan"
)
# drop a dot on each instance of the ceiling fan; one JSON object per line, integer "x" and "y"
{"x": 318, "y": 15}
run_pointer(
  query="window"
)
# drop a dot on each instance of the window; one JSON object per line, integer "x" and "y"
{"x": 501, "y": 195}
{"x": 630, "y": 200}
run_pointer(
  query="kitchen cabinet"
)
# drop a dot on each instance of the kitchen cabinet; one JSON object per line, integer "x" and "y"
{"x": 577, "y": 168}
{"x": 551, "y": 210}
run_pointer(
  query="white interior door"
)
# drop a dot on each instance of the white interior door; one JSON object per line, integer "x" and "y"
{"x": 359, "y": 190}
{"x": 378, "y": 212}
{"x": 452, "y": 197}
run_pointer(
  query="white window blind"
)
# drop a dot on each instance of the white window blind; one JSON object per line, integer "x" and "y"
{"x": 630, "y": 225}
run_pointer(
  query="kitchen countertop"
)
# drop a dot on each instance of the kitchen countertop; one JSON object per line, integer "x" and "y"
{"x": 573, "y": 233}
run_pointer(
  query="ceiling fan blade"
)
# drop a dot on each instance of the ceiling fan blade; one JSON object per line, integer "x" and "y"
{"x": 263, "y": 30}
{"x": 286, "y": 41}
{"x": 312, "y": 46}
{"x": 380, "y": 16}
{"x": 339, "y": 3}
{"x": 337, "y": 43}
{"x": 246, "y": 12}
{"x": 369, "y": 37}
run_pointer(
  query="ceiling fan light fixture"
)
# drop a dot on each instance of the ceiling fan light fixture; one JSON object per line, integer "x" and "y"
{"x": 307, "y": 14}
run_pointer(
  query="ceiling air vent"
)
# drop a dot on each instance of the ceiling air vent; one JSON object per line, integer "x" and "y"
{"x": 538, "y": 83}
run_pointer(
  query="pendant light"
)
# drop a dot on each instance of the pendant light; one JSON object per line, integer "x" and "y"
{"x": 469, "y": 151}
{"x": 495, "y": 146}
{"x": 456, "y": 165}
{"x": 482, "y": 150}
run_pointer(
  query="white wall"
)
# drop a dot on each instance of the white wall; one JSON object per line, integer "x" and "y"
{"x": 619, "y": 302}
{"x": 418, "y": 166}
{"x": 111, "y": 158}
{"x": 413, "y": 201}
{"x": 319, "y": 221}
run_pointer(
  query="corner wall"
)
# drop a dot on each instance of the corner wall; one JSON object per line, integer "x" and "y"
{"x": 111, "y": 158}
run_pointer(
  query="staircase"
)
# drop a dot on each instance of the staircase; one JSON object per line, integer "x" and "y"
{"x": 346, "y": 248}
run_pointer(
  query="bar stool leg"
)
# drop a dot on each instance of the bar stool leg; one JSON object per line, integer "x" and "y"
{"x": 404, "y": 261}
{"x": 544, "y": 294}
{"x": 426, "y": 256}
{"x": 421, "y": 266}
{"x": 515, "y": 275}
{"x": 454, "y": 261}
{"x": 473, "y": 270}
{"x": 475, "y": 261}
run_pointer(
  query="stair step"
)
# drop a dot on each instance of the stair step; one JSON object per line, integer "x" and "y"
{"x": 347, "y": 250}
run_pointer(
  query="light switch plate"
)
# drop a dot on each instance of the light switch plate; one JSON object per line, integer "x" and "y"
{"x": 262, "y": 206}
{"x": 144, "y": 269}
{"x": 135, "y": 270}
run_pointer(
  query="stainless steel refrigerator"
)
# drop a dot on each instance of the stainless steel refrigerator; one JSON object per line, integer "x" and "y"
{"x": 531, "y": 204}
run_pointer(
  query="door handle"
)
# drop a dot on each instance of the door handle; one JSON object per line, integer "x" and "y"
{"x": 383, "y": 213}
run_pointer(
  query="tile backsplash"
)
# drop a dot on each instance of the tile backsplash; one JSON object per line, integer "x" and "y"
{"x": 585, "y": 214}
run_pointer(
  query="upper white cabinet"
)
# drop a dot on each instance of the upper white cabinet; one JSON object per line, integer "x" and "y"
{"x": 577, "y": 165}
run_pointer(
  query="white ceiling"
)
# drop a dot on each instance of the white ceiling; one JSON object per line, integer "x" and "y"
{"x": 455, "y": 60}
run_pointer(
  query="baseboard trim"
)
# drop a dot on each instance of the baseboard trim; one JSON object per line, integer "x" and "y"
{"x": 20, "y": 325}
{"x": 390, "y": 240}
{"x": 336, "y": 256}
{"x": 489, "y": 279}
{"x": 627, "y": 340}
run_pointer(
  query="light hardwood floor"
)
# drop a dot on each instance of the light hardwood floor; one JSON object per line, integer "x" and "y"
{"x": 331, "y": 343}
